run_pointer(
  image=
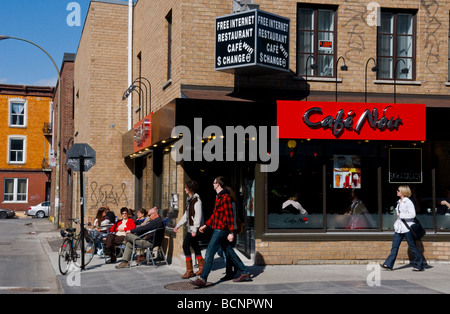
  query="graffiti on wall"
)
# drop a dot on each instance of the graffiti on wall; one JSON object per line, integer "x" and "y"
{"x": 108, "y": 195}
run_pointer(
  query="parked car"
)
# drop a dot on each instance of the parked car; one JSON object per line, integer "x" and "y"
{"x": 39, "y": 211}
{"x": 6, "y": 213}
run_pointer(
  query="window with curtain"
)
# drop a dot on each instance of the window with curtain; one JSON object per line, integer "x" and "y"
{"x": 396, "y": 45}
{"x": 17, "y": 114}
{"x": 316, "y": 41}
{"x": 15, "y": 190}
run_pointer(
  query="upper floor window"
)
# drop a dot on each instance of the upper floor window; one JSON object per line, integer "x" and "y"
{"x": 396, "y": 45}
{"x": 16, "y": 149}
{"x": 17, "y": 113}
{"x": 316, "y": 41}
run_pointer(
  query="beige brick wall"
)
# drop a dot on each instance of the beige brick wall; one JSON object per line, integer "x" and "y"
{"x": 193, "y": 44}
{"x": 298, "y": 252}
{"x": 101, "y": 77}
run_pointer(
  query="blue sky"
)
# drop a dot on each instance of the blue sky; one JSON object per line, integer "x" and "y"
{"x": 43, "y": 22}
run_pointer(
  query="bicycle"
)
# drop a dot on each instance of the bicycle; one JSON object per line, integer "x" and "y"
{"x": 70, "y": 248}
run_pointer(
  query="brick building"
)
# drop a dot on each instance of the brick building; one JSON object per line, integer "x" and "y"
{"x": 335, "y": 51}
{"x": 26, "y": 133}
{"x": 66, "y": 137}
{"x": 100, "y": 78}
{"x": 338, "y": 58}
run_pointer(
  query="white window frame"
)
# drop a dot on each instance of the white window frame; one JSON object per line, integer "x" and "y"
{"x": 15, "y": 191}
{"x": 17, "y": 137}
{"x": 25, "y": 114}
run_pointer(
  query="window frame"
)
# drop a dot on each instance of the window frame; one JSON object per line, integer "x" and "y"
{"x": 24, "y": 149}
{"x": 10, "y": 112}
{"x": 316, "y": 8}
{"x": 15, "y": 193}
{"x": 395, "y": 35}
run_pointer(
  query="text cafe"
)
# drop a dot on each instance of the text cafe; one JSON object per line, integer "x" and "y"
{"x": 343, "y": 162}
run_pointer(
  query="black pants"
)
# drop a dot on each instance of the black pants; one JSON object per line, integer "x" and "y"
{"x": 189, "y": 242}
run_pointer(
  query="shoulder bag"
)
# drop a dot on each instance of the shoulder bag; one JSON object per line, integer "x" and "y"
{"x": 416, "y": 229}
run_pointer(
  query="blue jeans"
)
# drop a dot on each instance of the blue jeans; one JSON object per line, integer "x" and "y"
{"x": 219, "y": 239}
{"x": 398, "y": 237}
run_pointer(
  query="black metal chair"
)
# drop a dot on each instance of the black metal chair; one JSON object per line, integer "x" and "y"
{"x": 154, "y": 242}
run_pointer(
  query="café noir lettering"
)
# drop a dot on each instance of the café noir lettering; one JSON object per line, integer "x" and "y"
{"x": 327, "y": 120}
{"x": 343, "y": 121}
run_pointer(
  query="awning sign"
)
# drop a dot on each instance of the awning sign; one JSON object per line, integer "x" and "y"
{"x": 351, "y": 121}
{"x": 252, "y": 42}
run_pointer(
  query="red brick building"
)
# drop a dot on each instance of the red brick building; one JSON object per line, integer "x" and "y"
{"x": 25, "y": 137}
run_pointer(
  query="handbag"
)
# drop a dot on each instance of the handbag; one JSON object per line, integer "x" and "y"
{"x": 416, "y": 229}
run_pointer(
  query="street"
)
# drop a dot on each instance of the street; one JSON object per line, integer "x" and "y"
{"x": 24, "y": 265}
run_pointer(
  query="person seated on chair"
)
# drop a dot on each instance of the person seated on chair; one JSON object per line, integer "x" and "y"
{"x": 99, "y": 230}
{"x": 156, "y": 222}
{"x": 118, "y": 232}
{"x": 141, "y": 220}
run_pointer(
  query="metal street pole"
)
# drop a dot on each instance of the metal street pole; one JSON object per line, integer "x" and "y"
{"x": 58, "y": 136}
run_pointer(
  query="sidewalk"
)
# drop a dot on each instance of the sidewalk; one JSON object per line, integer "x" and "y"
{"x": 311, "y": 278}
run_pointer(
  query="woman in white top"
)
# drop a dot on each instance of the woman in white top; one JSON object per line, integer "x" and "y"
{"x": 405, "y": 211}
{"x": 193, "y": 218}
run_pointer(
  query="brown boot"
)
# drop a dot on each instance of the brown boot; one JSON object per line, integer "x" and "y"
{"x": 189, "y": 270}
{"x": 201, "y": 264}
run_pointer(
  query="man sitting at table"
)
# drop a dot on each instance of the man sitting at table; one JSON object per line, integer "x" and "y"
{"x": 156, "y": 222}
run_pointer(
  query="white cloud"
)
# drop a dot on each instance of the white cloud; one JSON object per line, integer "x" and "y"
{"x": 3, "y": 80}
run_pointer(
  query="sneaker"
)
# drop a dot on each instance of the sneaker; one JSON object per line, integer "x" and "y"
{"x": 242, "y": 277}
{"x": 123, "y": 264}
{"x": 100, "y": 252}
{"x": 199, "y": 282}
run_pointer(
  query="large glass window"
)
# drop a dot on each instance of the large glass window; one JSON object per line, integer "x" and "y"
{"x": 316, "y": 41}
{"x": 170, "y": 199}
{"x": 15, "y": 190}
{"x": 396, "y": 45}
{"x": 295, "y": 198}
{"x": 351, "y": 189}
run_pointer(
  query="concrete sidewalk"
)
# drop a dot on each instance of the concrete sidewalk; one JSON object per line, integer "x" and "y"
{"x": 312, "y": 278}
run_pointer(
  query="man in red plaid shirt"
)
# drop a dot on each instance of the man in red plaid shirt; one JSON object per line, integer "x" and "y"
{"x": 222, "y": 223}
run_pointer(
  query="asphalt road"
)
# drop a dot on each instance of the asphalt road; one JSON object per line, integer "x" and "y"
{"x": 24, "y": 265}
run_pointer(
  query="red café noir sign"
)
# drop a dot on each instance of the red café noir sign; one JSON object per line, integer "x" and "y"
{"x": 142, "y": 133}
{"x": 351, "y": 121}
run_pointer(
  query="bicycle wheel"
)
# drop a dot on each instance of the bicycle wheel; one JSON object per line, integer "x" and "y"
{"x": 89, "y": 249}
{"x": 64, "y": 256}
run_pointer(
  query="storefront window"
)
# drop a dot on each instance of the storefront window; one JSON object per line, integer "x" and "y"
{"x": 295, "y": 199}
{"x": 405, "y": 165}
{"x": 442, "y": 151}
{"x": 351, "y": 186}
{"x": 170, "y": 200}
